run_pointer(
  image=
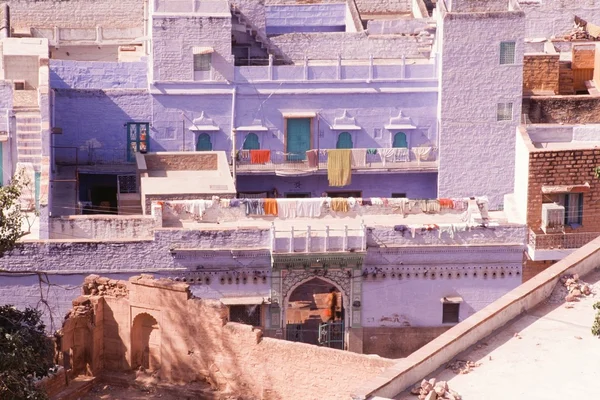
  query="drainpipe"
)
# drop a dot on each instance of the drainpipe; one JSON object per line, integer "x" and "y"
{"x": 5, "y": 22}
{"x": 233, "y": 145}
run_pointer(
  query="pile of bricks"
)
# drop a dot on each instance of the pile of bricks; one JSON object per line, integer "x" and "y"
{"x": 432, "y": 390}
{"x": 575, "y": 287}
{"x": 578, "y": 33}
{"x": 97, "y": 286}
{"x": 462, "y": 367}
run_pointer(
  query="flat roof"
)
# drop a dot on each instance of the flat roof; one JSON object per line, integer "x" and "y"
{"x": 554, "y": 356}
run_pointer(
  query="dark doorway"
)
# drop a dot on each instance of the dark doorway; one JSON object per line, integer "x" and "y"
{"x": 299, "y": 195}
{"x": 346, "y": 194}
{"x": 98, "y": 193}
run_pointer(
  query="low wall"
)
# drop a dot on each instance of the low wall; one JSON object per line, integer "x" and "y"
{"x": 67, "y": 74}
{"x": 103, "y": 227}
{"x": 54, "y": 383}
{"x": 575, "y": 109}
{"x": 480, "y": 325}
{"x": 398, "y": 342}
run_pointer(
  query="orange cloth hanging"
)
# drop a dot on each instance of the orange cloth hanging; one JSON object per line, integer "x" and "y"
{"x": 260, "y": 156}
{"x": 271, "y": 207}
{"x": 446, "y": 203}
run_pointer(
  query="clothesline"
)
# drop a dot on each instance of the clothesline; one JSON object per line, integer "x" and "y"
{"x": 450, "y": 229}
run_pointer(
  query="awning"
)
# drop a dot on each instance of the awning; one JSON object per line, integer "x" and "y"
{"x": 299, "y": 114}
{"x": 451, "y": 299}
{"x": 203, "y": 50}
{"x": 345, "y": 128}
{"x": 566, "y": 189}
{"x": 243, "y": 301}
{"x": 252, "y": 128}
{"x": 399, "y": 127}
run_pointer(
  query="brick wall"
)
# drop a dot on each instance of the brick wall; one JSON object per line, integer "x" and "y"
{"x": 541, "y": 73}
{"x": 583, "y": 57}
{"x": 181, "y": 162}
{"x": 398, "y": 342}
{"x": 564, "y": 109}
{"x": 194, "y": 343}
{"x": 532, "y": 268}
{"x": 567, "y": 167}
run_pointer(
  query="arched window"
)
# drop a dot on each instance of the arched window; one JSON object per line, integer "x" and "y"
{"x": 400, "y": 140}
{"x": 204, "y": 143}
{"x": 251, "y": 142}
{"x": 344, "y": 141}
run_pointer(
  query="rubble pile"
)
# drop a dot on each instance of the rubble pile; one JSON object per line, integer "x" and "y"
{"x": 578, "y": 33}
{"x": 575, "y": 287}
{"x": 462, "y": 367}
{"x": 432, "y": 390}
{"x": 97, "y": 286}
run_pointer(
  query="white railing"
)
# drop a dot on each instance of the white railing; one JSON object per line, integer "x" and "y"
{"x": 323, "y": 240}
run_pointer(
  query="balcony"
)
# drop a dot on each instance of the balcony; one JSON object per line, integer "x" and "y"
{"x": 417, "y": 159}
{"x": 555, "y": 246}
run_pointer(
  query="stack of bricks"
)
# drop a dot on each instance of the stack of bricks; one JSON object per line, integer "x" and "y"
{"x": 565, "y": 83}
{"x": 541, "y": 74}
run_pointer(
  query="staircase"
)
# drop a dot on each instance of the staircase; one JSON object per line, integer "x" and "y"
{"x": 29, "y": 136}
{"x": 258, "y": 38}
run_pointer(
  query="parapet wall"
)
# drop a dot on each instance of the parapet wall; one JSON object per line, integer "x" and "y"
{"x": 66, "y": 74}
{"x": 189, "y": 339}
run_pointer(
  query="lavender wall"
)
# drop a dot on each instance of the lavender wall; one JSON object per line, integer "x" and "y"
{"x": 97, "y": 75}
{"x": 416, "y": 186}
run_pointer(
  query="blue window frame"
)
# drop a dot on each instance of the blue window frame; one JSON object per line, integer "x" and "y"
{"x": 573, "y": 203}
{"x": 251, "y": 142}
{"x": 344, "y": 141}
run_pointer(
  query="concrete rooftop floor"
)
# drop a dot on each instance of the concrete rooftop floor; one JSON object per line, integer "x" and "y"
{"x": 556, "y": 356}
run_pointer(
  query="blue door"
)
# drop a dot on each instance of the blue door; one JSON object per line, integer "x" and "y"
{"x": 400, "y": 140}
{"x": 344, "y": 141}
{"x": 298, "y": 138}
{"x": 203, "y": 143}
{"x": 251, "y": 142}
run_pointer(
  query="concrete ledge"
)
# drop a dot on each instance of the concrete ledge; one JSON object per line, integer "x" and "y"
{"x": 480, "y": 325}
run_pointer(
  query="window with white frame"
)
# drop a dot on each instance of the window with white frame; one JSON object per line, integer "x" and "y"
{"x": 507, "y": 53}
{"x": 505, "y": 112}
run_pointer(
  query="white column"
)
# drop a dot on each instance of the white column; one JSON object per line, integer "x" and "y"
{"x": 308, "y": 239}
{"x": 291, "y": 246}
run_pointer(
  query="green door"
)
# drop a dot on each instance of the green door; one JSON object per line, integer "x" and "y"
{"x": 298, "y": 138}
{"x": 344, "y": 141}
{"x": 203, "y": 143}
{"x": 400, "y": 140}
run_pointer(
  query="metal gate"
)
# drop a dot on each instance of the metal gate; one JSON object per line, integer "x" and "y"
{"x": 331, "y": 334}
{"x": 293, "y": 333}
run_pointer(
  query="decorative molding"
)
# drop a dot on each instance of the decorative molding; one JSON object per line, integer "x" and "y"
{"x": 345, "y": 123}
{"x": 323, "y": 260}
{"x": 400, "y": 122}
{"x": 203, "y": 124}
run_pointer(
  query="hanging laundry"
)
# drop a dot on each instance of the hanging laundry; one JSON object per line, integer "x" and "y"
{"x": 339, "y": 204}
{"x": 401, "y": 154}
{"x": 459, "y": 204}
{"x": 367, "y": 202}
{"x": 339, "y": 167}
{"x": 225, "y": 203}
{"x": 387, "y": 155}
{"x": 401, "y": 228}
{"x": 260, "y": 156}
{"x": 446, "y": 228}
{"x": 244, "y": 155}
{"x": 376, "y": 201}
{"x": 286, "y": 208}
{"x": 432, "y": 206}
{"x": 270, "y": 207}
{"x": 254, "y": 206}
{"x": 359, "y": 158}
{"x": 459, "y": 227}
{"x": 309, "y": 208}
{"x": 421, "y": 153}
{"x": 313, "y": 158}
{"x": 446, "y": 203}
{"x": 371, "y": 151}
{"x": 235, "y": 202}
{"x": 351, "y": 202}
{"x": 399, "y": 204}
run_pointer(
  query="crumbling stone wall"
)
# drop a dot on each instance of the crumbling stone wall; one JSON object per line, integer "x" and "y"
{"x": 181, "y": 162}
{"x": 564, "y": 109}
{"x": 199, "y": 343}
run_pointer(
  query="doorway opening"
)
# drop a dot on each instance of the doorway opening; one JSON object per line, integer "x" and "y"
{"x": 145, "y": 341}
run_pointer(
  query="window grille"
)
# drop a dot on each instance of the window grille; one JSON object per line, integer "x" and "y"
{"x": 450, "y": 312}
{"x": 504, "y": 112}
{"x": 127, "y": 184}
{"x": 202, "y": 62}
{"x": 507, "y": 53}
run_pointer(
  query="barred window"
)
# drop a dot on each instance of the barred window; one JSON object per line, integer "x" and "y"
{"x": 504, "y": 112}
{"x": 450, "y": 313}
{"x": 507, "y": 53}
{"x": 202, "y": 62}
{"x": 127, "y": 184}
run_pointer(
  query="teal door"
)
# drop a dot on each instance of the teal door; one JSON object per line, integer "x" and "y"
{"x": 400, "y": 140}
{"x": 298, "y": 138}
{"x": 344, "y": 141}
{"x": 251, "y": 142}
{"x": 203, "y": 143}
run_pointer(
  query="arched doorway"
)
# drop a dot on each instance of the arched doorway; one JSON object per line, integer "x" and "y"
{"x": 306, "y": 313}
{"x": 400, "y": 140}
{"x": 344, "y": 141}
{"x": 204, "y": 143}
{"x": 145, "y": 343}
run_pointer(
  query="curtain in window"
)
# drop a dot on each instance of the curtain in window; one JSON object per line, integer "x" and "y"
{"x": 251, "y": 142}
{"x": 400, "y": 140}
{"x": 203, "y": 143}
{"x": 344, "y": 141}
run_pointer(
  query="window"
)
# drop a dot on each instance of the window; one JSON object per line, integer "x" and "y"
{"x": 251, "y": 142}
{"x": 507, "y": 53}
{"x": 450, "y": 313}
{"x": 344, "y": 141}
{"x": 400, "y": 140}
{"x": 504, "y": 112}
{"x": 573, "y": 203}
{"x": 138, "y": 139}
{"x": 355, "y": 194}
{"x": 127, "y": 183}
{"x": 398, "y": 195}
{"x": 249, "y": 315}
{"x": 204, "y": 143}
{"x": 202, "y": 62}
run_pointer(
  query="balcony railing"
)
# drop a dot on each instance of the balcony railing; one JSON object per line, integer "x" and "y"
{"x": 417, "y": 158}
{"x": 569, "y": 240}
{"x": 327, "y": 239}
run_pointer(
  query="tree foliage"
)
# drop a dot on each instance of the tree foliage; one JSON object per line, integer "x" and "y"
{"x": 25, "y": 353}
{"x": 11, "y": 216}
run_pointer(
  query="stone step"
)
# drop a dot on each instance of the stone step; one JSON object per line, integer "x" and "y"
{"x": 29, "y": 143}
{"x": 35, "y": 160}
{"x": 28, "y": 135}
{"x": 29, "y": 151}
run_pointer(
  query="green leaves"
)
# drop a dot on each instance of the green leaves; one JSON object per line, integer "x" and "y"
{"x": 11, "y": 216}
